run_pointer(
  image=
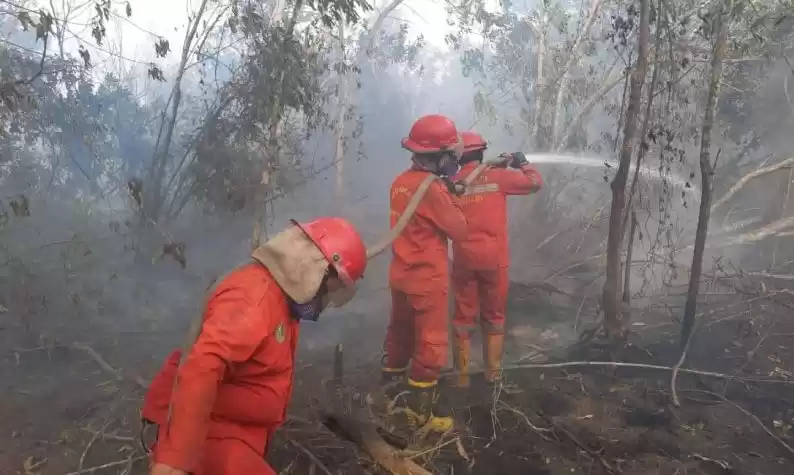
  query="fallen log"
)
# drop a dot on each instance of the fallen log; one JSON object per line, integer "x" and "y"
{"x": 365, "y": 435}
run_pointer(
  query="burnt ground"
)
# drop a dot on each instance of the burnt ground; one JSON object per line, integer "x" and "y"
{"x": 572, "y": 420}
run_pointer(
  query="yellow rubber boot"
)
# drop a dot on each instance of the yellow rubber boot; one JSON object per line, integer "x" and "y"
{"x": 420, "y": 409}
{"x": 462, "y": 360}
{"x": 493, "y": 348}
{"x": 427, "y": 401}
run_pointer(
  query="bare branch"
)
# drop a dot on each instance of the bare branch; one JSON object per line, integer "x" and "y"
{"x": 779, "y": 227}
{"x": 789, "y": 162}
{"x": 562, "y": 87}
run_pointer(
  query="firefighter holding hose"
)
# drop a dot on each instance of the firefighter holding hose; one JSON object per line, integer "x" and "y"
{"x": 480, "y": 263}
{"x": 218, "y": 410}
{"x": 417, "y": 334}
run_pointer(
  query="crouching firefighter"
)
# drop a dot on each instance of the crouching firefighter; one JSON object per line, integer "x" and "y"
{"x": 218, "y": 410}
{"x": 417, "y": 334}
{"x": 480, "y": 262}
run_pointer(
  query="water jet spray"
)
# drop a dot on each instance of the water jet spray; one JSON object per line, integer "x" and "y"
{"x": 596, "y": 162}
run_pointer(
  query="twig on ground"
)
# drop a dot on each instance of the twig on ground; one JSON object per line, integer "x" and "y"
{"x": 128, "y": 468}
{"x": 741, "y": 302}
{"x": 317, "y": 463}
{"x": 287, "y": 469}
{"x": 618, "y": 364}
{"x": 497, "y": 392}
{"x": 108, "y": 465}
{"x": 762, "y": 275}
{"x": 581, "y": 305}
{"x": 751, "y": 353}
{"x": 117, "y": 438}
{"x": 302, "y": 420}
{"x": 720, "y": 463}
{"x": 91, "y": 443}
{"x": 748, "y": 414}
{"x": 92, "y": 353}
{"x": 677, "y": 368}
{"x": 409, "y": 455}
{"x": 539, "y": 430}
{"x": 105, "y": 365}
{"x": 729, "y": 317}
{"x": 582, "y": 446}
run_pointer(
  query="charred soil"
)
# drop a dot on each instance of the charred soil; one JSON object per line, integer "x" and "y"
{"x": 63, "y": 412}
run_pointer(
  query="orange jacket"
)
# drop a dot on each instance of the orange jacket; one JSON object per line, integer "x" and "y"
{"x": 485, "y": 208}
{"x": 236, "y": 381}
{"x": 420, "y": 261}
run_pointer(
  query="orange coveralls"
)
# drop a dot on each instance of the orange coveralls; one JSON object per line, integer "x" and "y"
{"x": 234, "y": 386}
{"x": 419, "y": 278}
{"x": 479, "y": 272}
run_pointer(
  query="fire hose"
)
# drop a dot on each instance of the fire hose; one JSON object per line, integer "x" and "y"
{"x": 458, "y": 188}
{"x": 410, "y": 209}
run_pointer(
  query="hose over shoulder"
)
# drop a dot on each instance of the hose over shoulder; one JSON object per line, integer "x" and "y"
{"x": 416, "y": 199}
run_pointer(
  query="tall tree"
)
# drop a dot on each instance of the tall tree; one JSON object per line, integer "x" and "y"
{"x": 720, "y": 24}
{"x": 615, "y": 316}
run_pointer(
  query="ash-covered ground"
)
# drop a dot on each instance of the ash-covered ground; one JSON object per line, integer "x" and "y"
{"x": 73, "y": 408}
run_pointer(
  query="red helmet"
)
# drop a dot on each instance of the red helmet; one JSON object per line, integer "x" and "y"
{"x": 340, "y": 243}
{"x": 472, "y": 141}
{"x": 431, "y": 133}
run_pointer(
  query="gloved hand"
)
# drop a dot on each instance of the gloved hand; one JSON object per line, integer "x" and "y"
{"x": 500, "y": 161}
{"x": 518, "y": 160}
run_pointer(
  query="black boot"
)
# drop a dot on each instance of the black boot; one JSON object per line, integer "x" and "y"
{"x": 390, "y": 387}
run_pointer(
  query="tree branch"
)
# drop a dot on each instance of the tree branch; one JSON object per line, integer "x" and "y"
{"x": 562, "y": 87}
{"x": 789, "y": 162}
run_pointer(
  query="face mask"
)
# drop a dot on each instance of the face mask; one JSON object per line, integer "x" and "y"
{"x": 448, "y": 167}
{"x": 310, "y": 310}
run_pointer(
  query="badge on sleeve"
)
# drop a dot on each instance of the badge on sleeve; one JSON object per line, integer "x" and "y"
{"x": 280, "y": 333}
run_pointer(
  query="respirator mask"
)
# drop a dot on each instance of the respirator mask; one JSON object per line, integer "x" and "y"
{"x": 326, "y": 297}
{"x": 448, "y": 165}
{"x": 310, "y": 310}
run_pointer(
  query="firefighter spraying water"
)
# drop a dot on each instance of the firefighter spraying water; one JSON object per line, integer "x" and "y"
{"x": 416, "y": 338}
{"x": 479, "y": 275}
{"x": 475, "y": 220}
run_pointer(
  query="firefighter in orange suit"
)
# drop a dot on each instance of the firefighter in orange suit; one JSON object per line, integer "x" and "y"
{"x": 417, "y": 334}
{"x": 232, "y": 390}
{"x": 480, "y": 262}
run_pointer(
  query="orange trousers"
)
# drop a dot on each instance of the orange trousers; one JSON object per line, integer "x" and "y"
{"x": 479, "y": 292}
{"x": 228, "y": 456}
{"x": 418, "y": 333}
